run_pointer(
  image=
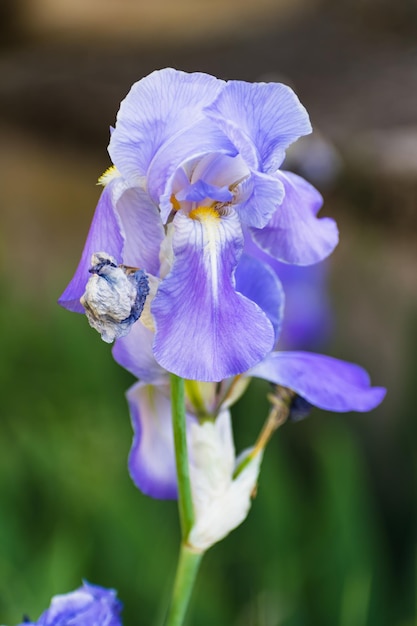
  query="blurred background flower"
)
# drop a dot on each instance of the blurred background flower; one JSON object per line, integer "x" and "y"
{"x": 90, "y": 604}
{"x": 331, "y": 538}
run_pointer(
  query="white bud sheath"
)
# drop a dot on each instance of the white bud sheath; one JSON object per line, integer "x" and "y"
{"x": 221, "y": 503}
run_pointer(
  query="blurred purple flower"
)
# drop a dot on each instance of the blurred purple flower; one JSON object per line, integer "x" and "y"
{"x": 308, "y": 319}
{"x": 197, "y": 169}
{"x": 90, "y": 605}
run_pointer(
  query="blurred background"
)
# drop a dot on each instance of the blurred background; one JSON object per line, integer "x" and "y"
{"x": 331, "y": 538}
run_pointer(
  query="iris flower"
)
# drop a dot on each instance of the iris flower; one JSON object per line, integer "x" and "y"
{"x": 308, "y": 321}
{"x": 221, "y": 483}
{"x": 195, "y": 176}
{"x": 316, "y": 380}
{"x": 88, "y": 605}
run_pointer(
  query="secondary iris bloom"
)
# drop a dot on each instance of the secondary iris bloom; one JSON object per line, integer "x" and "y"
{"x": 316, "y": 379}
{"x": 221, "y": 499}
{"x": 87, "y": 606}
{"x": 196, "y": 174}
{"x": 308, "y": 320}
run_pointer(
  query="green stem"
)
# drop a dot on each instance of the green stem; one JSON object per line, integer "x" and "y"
{"x": 185, "y": 502}
{"x": 187, "y": 569}
{"x": 189, "y": 559}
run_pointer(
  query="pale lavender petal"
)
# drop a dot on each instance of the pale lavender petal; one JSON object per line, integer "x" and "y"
{"x": 294, "y": 233}
{"x": 104, "y": 236}
{"x": 321, "y": 380}
{"x": 159, "y": 125}
{"x": 134, "y": 353}
{"x": 220, "y": 169}
{"x": 261, "y": 120}
{"x": 258, "y": 282}
{"x": 151, "y": 459}
{"x": 202, "y": 138}
{"x": 156, "y": 109}
{"x": 142, "y": 228}
{"x": 205, "y": 330}
{"x": 258, "y": 198}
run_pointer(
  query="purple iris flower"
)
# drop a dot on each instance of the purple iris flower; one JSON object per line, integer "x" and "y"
{"x": 308, "y": 321}
{"x": 196, "y": 174}
{"x": 87, "y": 606}
{"x": 317, "y": 380}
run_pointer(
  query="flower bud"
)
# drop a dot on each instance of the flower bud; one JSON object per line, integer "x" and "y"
{"x": 114, "y": 296}
{"x": 221, "y": 502}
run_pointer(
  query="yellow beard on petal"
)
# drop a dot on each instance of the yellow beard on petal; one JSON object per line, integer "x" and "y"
{"x": 204, "y": 213}
{"x": 110, "y": 174}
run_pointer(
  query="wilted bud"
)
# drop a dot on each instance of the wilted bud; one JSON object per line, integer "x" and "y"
{"x": 114, "y": 296}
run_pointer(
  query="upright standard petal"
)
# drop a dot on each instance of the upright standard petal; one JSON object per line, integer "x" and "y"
{"x": 261, "y": 120}
{"x": 202, "y": 138}
{"x": 323, "y": 381}
{"x": 294, "y": 233}
{"x": 151, "y": 458}
{"x": 158, "y": 113}
{"x": 104, "y": 235}
{"x": 218, "y": 169}
{"x": 205, "y": 330}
